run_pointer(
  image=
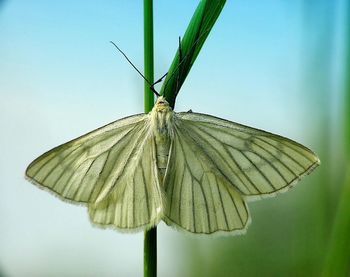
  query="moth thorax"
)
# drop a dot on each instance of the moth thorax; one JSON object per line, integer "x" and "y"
{"x": 162, "y": 121}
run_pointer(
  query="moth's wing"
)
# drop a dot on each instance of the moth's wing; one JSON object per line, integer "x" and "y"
{"x": 199, "y": 200}
{"x": 137, "y": 201}
{"x": 86, "y": 169}
{"x": 255, "y": 162}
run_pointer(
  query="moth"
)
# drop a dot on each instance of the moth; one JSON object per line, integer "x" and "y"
{"x": 194, "y": 171}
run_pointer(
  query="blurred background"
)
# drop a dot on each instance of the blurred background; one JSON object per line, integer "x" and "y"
{"x": 275, "y": 65}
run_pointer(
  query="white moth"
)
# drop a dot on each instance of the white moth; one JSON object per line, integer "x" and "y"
{"x": 194, "y": 171}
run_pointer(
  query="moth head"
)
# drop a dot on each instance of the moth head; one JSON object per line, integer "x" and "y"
{"x": 162, "y": 105}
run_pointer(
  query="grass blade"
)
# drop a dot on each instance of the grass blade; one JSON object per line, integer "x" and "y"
{"x": 197, "y": 31}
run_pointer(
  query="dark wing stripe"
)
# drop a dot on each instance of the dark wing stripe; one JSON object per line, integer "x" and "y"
{"x": 213, "y": 201}
{"x": 70, "y": 182}
{"x": 111, "y": 164}
{"x": 76, "y": 171}
{"x": 122, "y": 206}
{"x": 82, "y": 145}
{"x": 58, "y": 161}
{"x": 181, "y": 190}
{"x": 105, "y": 218}
{"x": 79, "y": 185}
{"x": 100, "y": 173}
{"x": 233, "y": 159}
{"x": 205, "y": 201}
{"x": 92, "y": 190}
{"x": 193, "y": 140}
{"x": 276, "y": 158}
{"x": 146, "y": 194}
{"x": 192, "y": 183}
{"x": 193, "y": 209}
{"x": 55, "y": 182}
{"x": 173, "y": 186}
{"x": 196, "y": 189}
{"x": 298, "y": 149}
{"x": 274, "y": 146}
{"x": 239, "y": 215}
{"x": 155, "y": 170}
{"x": 180, "y": 203}
{"x": 223, "y": 129}
{"x": 222, "y": 203}
{"x": 259, "y": 170}
{"x": 218, "y": 153}
{"x": 240, "y": 168}
{"x": 44, "y": 156}
{"x": 133, "y": 192}
{"x": 225, "y": 145}
{"x": 65, "y": 173}
{"x": 272, "y": 165}
{"x": 83, "y": 181}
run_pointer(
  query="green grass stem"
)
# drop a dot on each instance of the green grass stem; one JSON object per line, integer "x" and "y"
{"x": 148, "y": 53}
{"x": 150, "y": 236}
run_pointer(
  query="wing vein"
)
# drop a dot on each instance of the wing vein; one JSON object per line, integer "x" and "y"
{"x": 222, "y": 203}
{"x": 289, "y": 156}
{"x": 272, "y": 165}
{"x": 146, "y": 193}
{"x": 114, "y": 161}
{"x": 241, "y": 169}
{"x": 225, "y": 145}
{"x": 259, "y": 170}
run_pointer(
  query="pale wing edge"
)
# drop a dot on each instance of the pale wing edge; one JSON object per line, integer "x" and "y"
{"x": 219, "y": 233}
{"x": 137, "y": 229}
{"x": 54, "y": 193}
{"x": 251, "y": 198}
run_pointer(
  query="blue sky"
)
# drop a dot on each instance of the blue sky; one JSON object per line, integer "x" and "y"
{"x": 60, "y": 77}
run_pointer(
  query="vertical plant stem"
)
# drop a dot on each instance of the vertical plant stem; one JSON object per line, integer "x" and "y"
{"x": 148, "y": 53}
{"x": 150, "y": 236}
{"x": 150, "y": 253}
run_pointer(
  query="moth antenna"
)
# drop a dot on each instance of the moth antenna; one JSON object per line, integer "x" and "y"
{"x": 159, "y": 80}
{"x": 138, "y": 71}
{"x": 156, "y": 82}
